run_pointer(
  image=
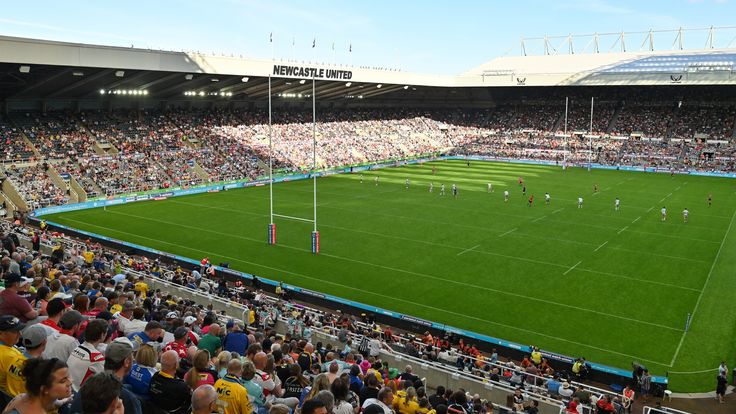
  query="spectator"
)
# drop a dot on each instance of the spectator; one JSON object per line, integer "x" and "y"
{"x": 118, "y": 361}
{"x": 142, "y": 371}
{"x": 211, "y": 341}
{"x": 314, "y": 406}
{"x": 167, "y": 392}
{"x": 46, "y": 383}
{"x": 255, "y": 391}
{"x": 101, "y": 394}
{"x": 231, "y": 392}
{"x": 438, "y": 397}
{"x": 85, "y": 360}
{"x": 385, "y": 399}
{"x": 295, "y": 383}
{"x": 340, "y": 391}
{"x": 11, "y": 359}
{"x": 13, "y": 304}
{"x": 204, "y": 400}
{"x": 61, "y": 346}
{"x": 236, "y": 340}
{"x": 201, "y": 372}
{"x": 180, "y": 342}
{"x": 152, "y": 333}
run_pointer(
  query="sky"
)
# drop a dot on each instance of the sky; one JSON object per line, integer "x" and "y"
{"x": 440, "y": 37}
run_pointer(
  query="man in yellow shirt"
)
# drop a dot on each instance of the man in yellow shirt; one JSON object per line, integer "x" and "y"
{"x": 141, "y": 286}
{"x": 89, "y": 257}
{"x": 233, "y": 397}
{"x": 11, "y": 359}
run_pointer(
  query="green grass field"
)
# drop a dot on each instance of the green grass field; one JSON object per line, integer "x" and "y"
{"x": 611, "y": 286}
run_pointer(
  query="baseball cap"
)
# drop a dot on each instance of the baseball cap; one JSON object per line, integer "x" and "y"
{"x": 118, "y": 351}
{"x": 71, "y": 318}
{"x": 189, "y": 320}
{"x": 133, "y": 344}
{"x": 172, "y": 315}
{"x": 33, "y": 336}
{"x": 25, "y": 281}
{"x": 180, "y": 332}
{"x": 10, "y": 323}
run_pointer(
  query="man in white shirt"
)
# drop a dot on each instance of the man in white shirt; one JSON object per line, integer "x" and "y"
{"x": 137, "y": 324}
{"x": 86, "y": 360}
{"x": 385, "y": 400}
{"x": 61, "y": 346}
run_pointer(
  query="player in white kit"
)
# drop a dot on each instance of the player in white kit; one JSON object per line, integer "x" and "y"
{"x": 442, "y": 189}
{"x": 617, "y": 204}
{"x": 431, "y": 187}
{"x": 685, "y": 214}
{"x": 490, "y": 187}
{"x": 506, "y": 195}
{"x": 580, "y": 202}
{"x": 664, "y": 213}
{"x": 407, "y": 183}
{"x": 546, "y": 198}
{"x": 376, "y": 179}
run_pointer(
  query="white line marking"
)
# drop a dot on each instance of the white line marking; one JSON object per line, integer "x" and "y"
{"x": 635, "y": 220}
{"x": 538, "y": 218}
{"x": 467, "y": 250}
{"x": 678, "y": 188}
{"x": 702, "y": 291}
{"x": 622, "y": 230}
{"x": 510, "y": 231}
{"x": 607, "y": 188}
{"x": 650, "y": 209}
{"x": 599, "y": 247}
{"x": 573, "y": 266}
{"x": 558, "y": 210}
{"x": 665, "y": 197}
{"x": 424, "y": 275}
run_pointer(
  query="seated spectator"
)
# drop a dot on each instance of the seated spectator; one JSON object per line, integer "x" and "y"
{"x": 11, "y": 359}
{"x": 204, "y": 400}
{"x": 384, "y": 399}
{"x": 46, "y": 383}
{"x": 180, "y": 342}
{"x": 101, "y": 394}
{"x": 13, "y": 304}
{"x": 61, "y": 346}
{"x": 211, "y": 341}
{"x": 142, "y": 371}
{"x": 232, "y": 392}
{"x": 236, "y": 340}
{"x": 167, "y": 392}
{"x": 86, "y": 360}
{"x": 152, "y": 333}
{"x": 201, "y": 372}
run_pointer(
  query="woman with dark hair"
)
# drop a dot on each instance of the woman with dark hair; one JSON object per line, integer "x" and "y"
{"x": 42, "y": 299}
{"x": 356, "y": 383}
{"x": 81, "y": 303}
{"x": 295, "y": 383}
{"x": 340, "y": 390}
{"x": 47, "y": 380}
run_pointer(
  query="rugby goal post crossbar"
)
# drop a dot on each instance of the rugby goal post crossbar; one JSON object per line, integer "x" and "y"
{"x": 272, "y": 225}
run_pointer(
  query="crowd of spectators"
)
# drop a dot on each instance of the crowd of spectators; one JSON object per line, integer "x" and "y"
{"x": 35, "y": 186}
{"x": 164, "y": 149}
{"x": 12, "y": 145}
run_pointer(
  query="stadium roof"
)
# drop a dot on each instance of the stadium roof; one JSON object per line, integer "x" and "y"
{"x": 40, "y": 69}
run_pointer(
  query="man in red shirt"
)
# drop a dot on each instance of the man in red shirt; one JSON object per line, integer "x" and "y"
{"x": 179, "y": 344}
{"x": 13, "y": 304}
{"x": 54, "y": 309}
{"x": 605, "y": 406}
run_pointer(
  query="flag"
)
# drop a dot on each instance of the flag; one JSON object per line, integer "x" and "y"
{"x": 350, "y": 49}
{"x": 314, "y": 42}
{"x": 270, "y": 38}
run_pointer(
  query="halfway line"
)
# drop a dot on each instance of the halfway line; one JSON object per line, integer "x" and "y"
{"x": 599, "y": 247}
{"x": 467, "y": 250}
{"x": 573, "y": 266}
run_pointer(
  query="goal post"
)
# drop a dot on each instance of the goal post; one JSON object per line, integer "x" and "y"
{"x": 314, "y": 235}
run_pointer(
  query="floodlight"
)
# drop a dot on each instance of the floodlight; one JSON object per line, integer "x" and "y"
{"x": 244, "y": 79}
{"x": 102, "y": 91}
{"x": 379, "y": 86}
{"x": 348, "y": 84}
{"x": 188, "y": 76}
{"x": 120, "y": 73}
{"x": 406, "y": 87}
{"x": 24, "y": 69}
{"x": 302, "y": 82}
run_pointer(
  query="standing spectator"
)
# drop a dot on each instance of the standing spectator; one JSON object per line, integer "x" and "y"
{"x": 722, "y": 383}
{"x": 13, "y": 304}
{"x": 47, "y": 381}
{"x": 167, "y": 392}
{"x": 231, "y": 391}
{"x": 85, "y": 360}
{"x": 645, "y": 382}
{"x": 627, "y": 398}
{"x": 11, "y": 359}
{"x": 374, "y": 346}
